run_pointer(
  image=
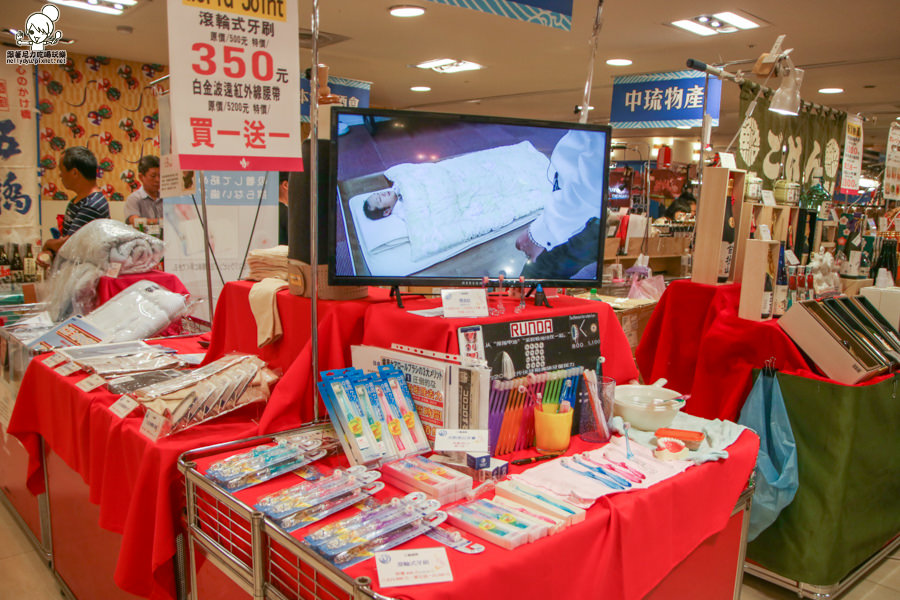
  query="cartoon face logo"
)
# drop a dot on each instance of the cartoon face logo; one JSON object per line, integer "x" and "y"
{"x": 39, "y": 29}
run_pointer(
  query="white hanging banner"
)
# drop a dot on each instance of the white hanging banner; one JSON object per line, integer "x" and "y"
{"x": 19, "y": 189}
{"x": 892, "y": 164}
{"x": 853, "y": 148}
{"x": 235, "y": 84}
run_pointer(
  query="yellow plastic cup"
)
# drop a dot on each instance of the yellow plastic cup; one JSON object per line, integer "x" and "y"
{"x": 552, "y": 431}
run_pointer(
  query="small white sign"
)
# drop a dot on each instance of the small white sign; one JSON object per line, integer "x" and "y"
{"x": 89, "y": 384}
{"x": 113, "y": 270}
{"x": 726, "y": 159}
{"x": 764, "y": 233}
{"x": 54, "y": 360}
{"x": 465, "y": 303}
{"x": 152, "y": 425}
{"x": 461, "y": 440}
{"x": 191, "y": 359}
{"x": 768, "y": 198}
{"x": 790, "y": 258}
{"x": 412, "y": 567}
{"x": 123, "y": 406}
{"x": 67, "y": 369}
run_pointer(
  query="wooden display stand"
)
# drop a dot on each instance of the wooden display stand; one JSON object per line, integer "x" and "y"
{"x": 711, "y": 222}
{"x": 757, "y": 256}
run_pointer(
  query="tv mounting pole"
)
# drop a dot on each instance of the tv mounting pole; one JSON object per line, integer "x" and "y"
{"x": 314, "y": 205}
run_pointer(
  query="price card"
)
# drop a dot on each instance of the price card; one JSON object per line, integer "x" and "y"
{"x": 764, "y": 233}
{"x": 412, "y": 567}
{"x": 54, "y": 360}
{"x": 727, "y": 160}
{"x": 768, "y": 198}
{"x": 89, "y": 384}
{"x": 113, "y": 270}
{"x": 790, "y": 258}
{"x": 461, "y": 440}
{"x": 123, "y": 406}
{"x": 465, "y": 303}
{"x": 152, "y": 425}
{"x": 67, "y": 369}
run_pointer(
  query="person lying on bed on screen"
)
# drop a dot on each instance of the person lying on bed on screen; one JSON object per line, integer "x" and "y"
{"x": 381, "y": 204}
{"x": 562, "y": 241}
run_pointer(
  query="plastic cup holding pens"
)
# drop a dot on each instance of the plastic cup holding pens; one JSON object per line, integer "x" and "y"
{"x": 552, "y": 430}
{"x": 595, "y": 422}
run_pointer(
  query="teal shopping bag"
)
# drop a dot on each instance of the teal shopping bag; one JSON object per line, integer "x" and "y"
{"x": 776, "y": 465}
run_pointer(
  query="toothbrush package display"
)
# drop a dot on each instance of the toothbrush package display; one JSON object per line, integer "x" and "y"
{"x": 498, "y": 524}
{"x": 416, "y": 473}
{"x": 373, "y": 414}
{"x": 310, "y": 501}
{"x": 357, "y": 538}
{"x": 263, "y": 463}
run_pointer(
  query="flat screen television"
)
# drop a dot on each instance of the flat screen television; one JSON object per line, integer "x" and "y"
{"x": 440, "y": 199}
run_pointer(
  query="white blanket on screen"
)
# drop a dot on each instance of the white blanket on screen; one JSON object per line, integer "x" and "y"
{"x": 449, "y": 202}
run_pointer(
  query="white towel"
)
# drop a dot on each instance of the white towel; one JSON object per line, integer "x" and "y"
{"x": 265, "y": 310}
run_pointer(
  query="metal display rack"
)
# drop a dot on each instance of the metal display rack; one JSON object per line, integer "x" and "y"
{"x": 253, "y": 552}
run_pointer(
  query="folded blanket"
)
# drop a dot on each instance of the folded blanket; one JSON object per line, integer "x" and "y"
{"x": 87, "y": 256}
{"x": 267, "y": 262}
{"x": 458, "y": 199}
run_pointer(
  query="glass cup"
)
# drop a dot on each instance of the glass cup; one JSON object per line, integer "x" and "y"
{"x": 595, "y": 422}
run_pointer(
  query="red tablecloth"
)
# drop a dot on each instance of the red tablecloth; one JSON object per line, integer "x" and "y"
{"x": 696, "y": 341}
{"x": 627, "y": 544}
{"x": 386, "y": 324}
{"x": 340, "y": 326}
{"x": 134, "y": 481}
{"x": 108, "y": 287}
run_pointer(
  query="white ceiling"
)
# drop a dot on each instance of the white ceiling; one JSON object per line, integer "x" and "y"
{"x": 538, "y": 72}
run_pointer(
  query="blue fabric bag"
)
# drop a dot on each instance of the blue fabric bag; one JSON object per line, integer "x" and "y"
{"x": 777, "y": 478}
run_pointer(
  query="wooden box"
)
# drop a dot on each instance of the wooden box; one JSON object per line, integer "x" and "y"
{"x": 711, "y": 222}
{"x": 760, "y": 257}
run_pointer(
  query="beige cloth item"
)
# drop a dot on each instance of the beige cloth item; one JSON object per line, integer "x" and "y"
{"x": 268, "y": 262}
{"x": 265, "y": 309}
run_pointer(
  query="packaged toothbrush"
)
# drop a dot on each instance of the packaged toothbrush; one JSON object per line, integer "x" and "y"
{"x": 540, "y": 500}
{"x": 396, "y": 426}
{"x": 504, "y": 535}
{"x": 375, "y": 414}
{"x": 262, "y": 463}
{"x": 349, "y": 419}
{"x": 397, "y": 383}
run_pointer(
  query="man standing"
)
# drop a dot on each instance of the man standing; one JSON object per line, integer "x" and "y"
{"x": 145, "y": 202}
{"x": 78, "y": 172}
{"x": 283, "y": 208}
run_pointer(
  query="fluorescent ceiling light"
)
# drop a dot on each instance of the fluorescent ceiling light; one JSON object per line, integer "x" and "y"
{"x": 618, "y": 62}
{"x": 406, "y": 10}
{"x": 834, "y": 90}
{"x": 456, "y": 67}
{"x": 437, "y": 62}
{"x": 736, "y": 20}
{"x": 85, "y": 6}
{"x": 420, "y": 88}
{"x": 694, "y": 27}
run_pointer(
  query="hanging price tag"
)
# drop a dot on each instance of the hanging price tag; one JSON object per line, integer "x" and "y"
{"x": 89, "y": 384}
{"x": 67, "y": 369}
{"x": 123, "y": 406}
{"x": 764, "y": 233}
{"x": 113, "y": 270}
{"x": 790, "y": 258}
{"x": 152, "y": 425}
{"x": 54, "y": 360}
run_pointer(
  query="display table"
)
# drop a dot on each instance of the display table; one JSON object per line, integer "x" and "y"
{"x": 847, "y": 508}
{"x": 628, "y": 544}
{"x": 97, "y": 458}
{"x": 386, "y": 324}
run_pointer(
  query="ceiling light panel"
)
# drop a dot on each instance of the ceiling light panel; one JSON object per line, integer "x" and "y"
{"x": 723, "y": 22}
{"x": 736, "y": 20}
{"x": 437, "y": 62}
{"x": 694, "y": 27}
{"x": 406, "y": 11}
{"x": 619, "y": 62}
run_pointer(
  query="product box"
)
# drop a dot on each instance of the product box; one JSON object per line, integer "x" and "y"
{"x": 633, "y": 315}
{"x": 886, "y": 300}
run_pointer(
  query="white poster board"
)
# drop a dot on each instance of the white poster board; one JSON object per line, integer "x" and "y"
{"x": 19, "y": 183}
{"x": 851, "y": 169}
{"x": 892, "y": 164}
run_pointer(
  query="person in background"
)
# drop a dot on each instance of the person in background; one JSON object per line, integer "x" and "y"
{"x": 78, "y": 172}
{"x": 145, "y": 202}
{"x": 283, "y": 208}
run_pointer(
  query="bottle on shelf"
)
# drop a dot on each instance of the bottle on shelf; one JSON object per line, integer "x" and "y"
{"x": 810, "y": 285}
{"x": 5, "y": 273}
{"x": 864, "y": 266}
{"x": 726, "y": 254}
{"x": 29, "y": 265}
{"x": 781, "y": 286}
{"x": 792, "y": 286}
{"x": 768, "y": 297}
{"x": 17, "y": 269}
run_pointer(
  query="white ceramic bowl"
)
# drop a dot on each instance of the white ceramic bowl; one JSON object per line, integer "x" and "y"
{"x": 647, "y": 407}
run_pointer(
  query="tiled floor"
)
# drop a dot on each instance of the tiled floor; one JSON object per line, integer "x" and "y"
{"x": 24, "y": 577}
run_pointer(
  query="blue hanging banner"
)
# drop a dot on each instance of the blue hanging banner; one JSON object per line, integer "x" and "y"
{"x": 352, "y": 92}
{"x": 663, "y": 100}
{"x": 551, "y": 13}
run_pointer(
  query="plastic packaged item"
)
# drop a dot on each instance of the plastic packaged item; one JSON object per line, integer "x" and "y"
{"x": 135, "y": 381}
{"x": 310, "y": 501}
{"x": 397, "y": 383}
{"x": 349, "y": 418}
{"x": 541, "y": 500}
{"x": 139, "y": 311}
{"x": 88, "y": 254}
{"x": 501, "y": 532}
{"x": 262, "y": 464}
{"x": 416, "y": 473}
